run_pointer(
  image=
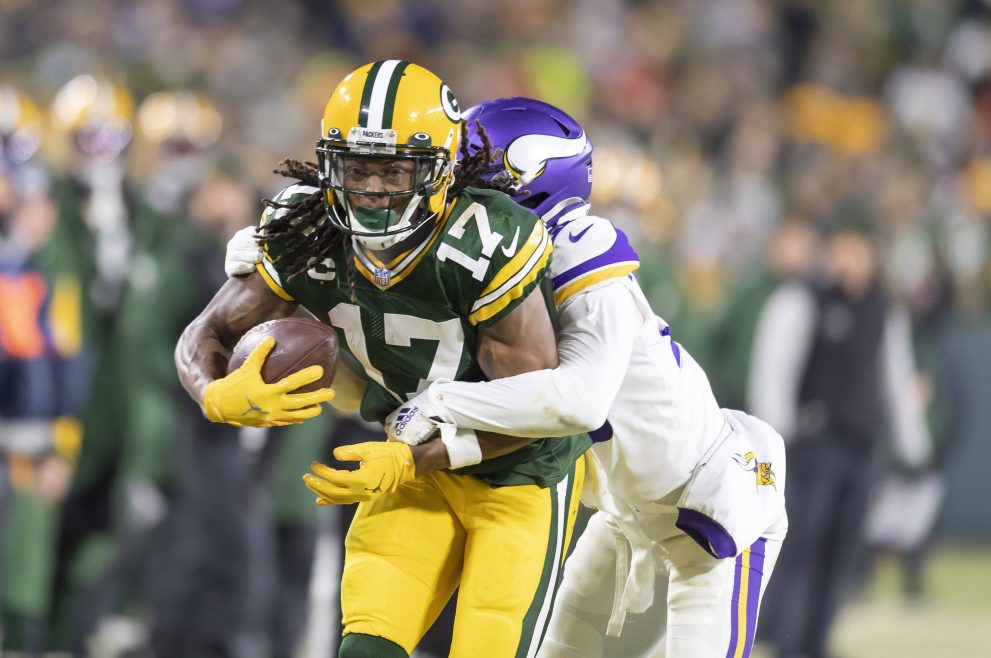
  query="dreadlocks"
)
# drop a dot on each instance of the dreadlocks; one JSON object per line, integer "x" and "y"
{"x": 473, "y": 166}
{"x": 303, "y": 231}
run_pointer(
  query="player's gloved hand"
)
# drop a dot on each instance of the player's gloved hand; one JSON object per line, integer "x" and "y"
{"x": 419, "y": 419}
{"x": 384, "y": 466}
{"x": 243, "y": 253}
{"x": 243, "y": 397}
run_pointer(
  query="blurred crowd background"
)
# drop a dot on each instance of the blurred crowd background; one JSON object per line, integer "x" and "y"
{"x": 137, "y": 135}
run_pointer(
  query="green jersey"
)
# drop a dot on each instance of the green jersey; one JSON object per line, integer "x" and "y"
{"x": 417, "y": 319}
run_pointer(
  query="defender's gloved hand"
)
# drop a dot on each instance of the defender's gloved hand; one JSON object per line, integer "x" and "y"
{"x": 243, "y": 397}
{"x": 384, "y": 466}
{"x": 243, "y": 253}
{"x": 417, "y": 420}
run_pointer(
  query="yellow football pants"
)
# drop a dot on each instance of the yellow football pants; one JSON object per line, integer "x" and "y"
{"x": 406, "y": 552}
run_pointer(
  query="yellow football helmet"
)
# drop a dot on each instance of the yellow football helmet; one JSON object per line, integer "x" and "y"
{"x": 97, "y": 113}
{"x": 21, "y": 127}
{"x": 182, "y": 121}
{"x": 388, "y": 111}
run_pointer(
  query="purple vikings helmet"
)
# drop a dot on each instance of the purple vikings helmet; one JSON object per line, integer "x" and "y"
{"x": 541, "y": 147}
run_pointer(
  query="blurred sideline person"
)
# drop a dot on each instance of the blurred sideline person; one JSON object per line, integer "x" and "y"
{"x": 43, "y": 377}
{"x": 648, "y": 407}
{"x": 101, "y": 213}
{"x": 424, "y": 278}
{"x": 157, "y": 296}
{"x": 833, "y": 370}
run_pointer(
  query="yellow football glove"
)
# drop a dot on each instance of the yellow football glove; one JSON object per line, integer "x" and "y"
{"x": 384, "y": 466}
{"x": 243, "y": 397}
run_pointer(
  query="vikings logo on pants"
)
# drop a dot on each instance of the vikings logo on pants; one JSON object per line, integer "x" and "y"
{"x": 765, "y": 475}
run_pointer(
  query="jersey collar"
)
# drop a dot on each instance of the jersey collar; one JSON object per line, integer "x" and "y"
{"x": 385, "y": 275}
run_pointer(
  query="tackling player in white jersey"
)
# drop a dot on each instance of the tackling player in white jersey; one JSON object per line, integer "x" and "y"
{"x": 690, "y": 496}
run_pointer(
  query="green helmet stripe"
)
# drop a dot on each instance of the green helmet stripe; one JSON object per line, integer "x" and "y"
{"x": 366, "y": 94}
{"x": 390, "y": 94}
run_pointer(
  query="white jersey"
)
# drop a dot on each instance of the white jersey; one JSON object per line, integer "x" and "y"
{"x": 663, "y": 414}
{"x": 623, "y": 378}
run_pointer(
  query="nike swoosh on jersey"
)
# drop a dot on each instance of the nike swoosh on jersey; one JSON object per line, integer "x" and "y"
{"x": 575, "y": 237}
{"x": 511, "y": 249}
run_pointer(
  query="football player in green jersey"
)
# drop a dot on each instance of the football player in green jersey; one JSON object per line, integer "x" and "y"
{"x": 424, "y": 278}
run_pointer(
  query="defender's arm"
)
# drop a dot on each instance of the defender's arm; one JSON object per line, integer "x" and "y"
{"x": 598, "y": 331}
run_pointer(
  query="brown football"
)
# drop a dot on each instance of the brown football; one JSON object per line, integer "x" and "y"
{"x": 299, "y": 343}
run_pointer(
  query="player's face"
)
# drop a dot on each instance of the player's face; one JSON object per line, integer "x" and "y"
{"x": 377, "y": 175}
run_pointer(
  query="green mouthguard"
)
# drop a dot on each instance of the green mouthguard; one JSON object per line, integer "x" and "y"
{"x": 375, "y": 219}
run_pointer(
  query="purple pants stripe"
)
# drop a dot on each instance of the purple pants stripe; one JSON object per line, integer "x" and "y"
{"x": 749, "y": 574}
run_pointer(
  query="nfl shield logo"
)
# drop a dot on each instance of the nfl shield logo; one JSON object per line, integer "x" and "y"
{"x": 382, "y": 277}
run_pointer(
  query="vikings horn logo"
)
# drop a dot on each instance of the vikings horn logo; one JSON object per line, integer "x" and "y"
{"x": 527, "y": 156}
{"x": 748, "y": 462}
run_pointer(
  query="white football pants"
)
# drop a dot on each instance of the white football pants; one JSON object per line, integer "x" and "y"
{"x": 703, "y": 607}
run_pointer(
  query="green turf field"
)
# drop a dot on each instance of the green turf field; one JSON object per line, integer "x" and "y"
{"x": 953, "y": 619}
